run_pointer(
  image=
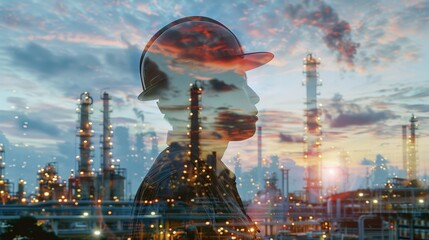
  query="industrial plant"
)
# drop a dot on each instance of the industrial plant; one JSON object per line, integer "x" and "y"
{"x": 93, "y": 202}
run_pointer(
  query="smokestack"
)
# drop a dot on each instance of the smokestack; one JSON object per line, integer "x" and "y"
{"x": 198, "y": 166}
{"x": 86, "y": 175}
{"x": 412, "y": 160}
{"x": 107, "y": 177}
{"x": 260, "y": 179}
{"x": 4, "y": 183}
{"x": 2, "y": 163}
{"x": 85, "y": 134}
{"x": 313, "y": 131}
{"x": 106, "y": 138}
{"x": 404, "y": 149}
{"x": 21, "y": 191}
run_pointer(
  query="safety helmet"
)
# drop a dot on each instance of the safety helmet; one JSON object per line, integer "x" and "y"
{"x": 198, "y": 41}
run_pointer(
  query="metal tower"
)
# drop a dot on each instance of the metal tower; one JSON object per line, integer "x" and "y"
{"x": 412, "y": 150}
{"x": 4, "y": 183}
{"x": 195, "y": 126}
{"x": 260, "y": 179}
{"x": 107, "y": 166}
{"x": 106, "y": 138}
{"x": 404, "y": 150}
{"x": 21, "y": 191}
{"x": 200, "y": 177}
{"x": 111, "y": 180}
{"x": 86, "y": 174}
{"x": 313, "y": 132}
{"x": 2, "y": 163}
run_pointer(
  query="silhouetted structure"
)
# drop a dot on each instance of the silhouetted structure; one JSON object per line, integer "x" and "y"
{"x": 412, "y": 150}
{"x": 111, "y": 179}
{"x": 188, "y": 188}
{"x": 380, "y": 172}
{"x": 86, "y": 176}
{"x": 313, "y": 132}
{"x": 259, "y": 170}
{"x": 50, "y": 185}
{"x": 404, "y": 150}
{"x": 4, "y": 183}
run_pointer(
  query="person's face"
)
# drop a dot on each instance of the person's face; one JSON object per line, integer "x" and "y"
{"x": 228, "y": 103}
{"x": 229, "y": 106}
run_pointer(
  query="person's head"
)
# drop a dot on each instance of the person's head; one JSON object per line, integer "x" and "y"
{"x": 202, "y": 49}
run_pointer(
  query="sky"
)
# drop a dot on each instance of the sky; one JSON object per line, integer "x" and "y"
{"x": 374, "y": 57}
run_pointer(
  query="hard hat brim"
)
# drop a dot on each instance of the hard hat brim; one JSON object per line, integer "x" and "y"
{"x": 253, "y": 60}
{"x": 245, "y": 62}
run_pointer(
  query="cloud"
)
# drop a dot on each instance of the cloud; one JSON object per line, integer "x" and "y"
{"x": 123, "y": 121}
{"x": 414, "y": 16}
{"x": 366, "y": 162}
{"x": 424, "y": 108}
{"x": 271, "y": 117}
{"x": 337, "y": 32}
{"x": 387, "y": 34}
{"x": 381, "y": 54}
{"x": 139, "y": 114}
{"x": 147, "y": 9}
{"x": 365, "y": 116}
{"x": 18, "y": 102}
{"x": 32, "y": 124}
{"x": 45, "y": 62}
{"x": 125, "y": 60}
{"x": 219, "y": 85}
{"x": 290, "y": 138}
{"x": 345, "y": 114}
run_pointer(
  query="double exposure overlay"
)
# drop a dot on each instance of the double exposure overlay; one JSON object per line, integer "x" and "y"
{"x": 195, "y": 68}
{"x": 172, "y": 120}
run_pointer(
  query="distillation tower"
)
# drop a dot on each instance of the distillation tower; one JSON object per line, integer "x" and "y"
{"x": 111, "y": 179}
{"x": 201, "y": 168}
{"x": 412, "y": 150}
{"x": 4, "y": 183}
{"x": 85, "y": 185}
{"x": 50, "y": 186}
{"x": 404, "y": 150}
{"x": 313, "y": 132}
{"x": 195, "y": 126}
{"x": 259, "y": 171}
{"x": 106, "y": 137}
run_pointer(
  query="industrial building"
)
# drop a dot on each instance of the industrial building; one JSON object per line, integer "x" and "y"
{"x": 92, "y": 203}
{"x": 313, "y": 131}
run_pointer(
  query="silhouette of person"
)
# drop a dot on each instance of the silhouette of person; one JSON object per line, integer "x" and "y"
{"x": 195, "y": 67}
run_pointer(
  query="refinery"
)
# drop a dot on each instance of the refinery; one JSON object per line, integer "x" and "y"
{"x": 93, "y": 203}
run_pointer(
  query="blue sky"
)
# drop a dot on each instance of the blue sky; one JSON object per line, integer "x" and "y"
{"x": 374, "y": 69}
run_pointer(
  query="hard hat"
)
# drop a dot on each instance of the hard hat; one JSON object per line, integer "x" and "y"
{"x": 200, "y": 42}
